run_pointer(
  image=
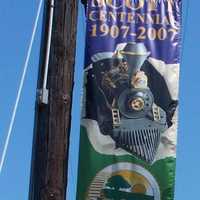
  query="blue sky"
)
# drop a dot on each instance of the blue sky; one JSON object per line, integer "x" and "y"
{"x": 16, "y": 21}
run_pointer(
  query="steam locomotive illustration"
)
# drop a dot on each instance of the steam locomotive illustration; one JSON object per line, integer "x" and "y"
{"x": 129, "y": 99}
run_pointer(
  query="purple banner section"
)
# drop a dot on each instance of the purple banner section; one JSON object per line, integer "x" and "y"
{"x": 156, "y": 23}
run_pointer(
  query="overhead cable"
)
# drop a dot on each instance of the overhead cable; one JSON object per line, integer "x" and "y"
{"x": 21, "y": 84}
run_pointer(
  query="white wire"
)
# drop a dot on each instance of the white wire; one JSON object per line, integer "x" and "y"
{"x": 5, "y": 148}
{"x": 48, "y": 44}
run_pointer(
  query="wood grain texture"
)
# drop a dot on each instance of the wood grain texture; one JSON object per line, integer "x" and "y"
{"x": 52, "y": 121}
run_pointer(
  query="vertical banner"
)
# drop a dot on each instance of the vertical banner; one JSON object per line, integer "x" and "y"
{"x": 130, "y": 99}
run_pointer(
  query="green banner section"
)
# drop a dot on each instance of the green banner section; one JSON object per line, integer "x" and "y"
{"x": 91, "y": 163}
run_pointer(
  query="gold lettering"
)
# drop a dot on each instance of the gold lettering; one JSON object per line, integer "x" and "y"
{"x": 113, "y": 16}
{"x": 134, "y": 6}
{"x": 165, "y": 20}
{"x": 149, "y": 19}
{"x": 152, "y": 4}
{"x": 102, "y": 16}
{"x": 92, "y": 16}
{"x": 117, "y": 4}
{"x": 114, "y": 4}
{"x": 157, "y": 20}
{"x": 170, "y": 4}
{"x": 131, "y": 18}
{"x": 122, "y": 16}
{"x": 140, "y": 17}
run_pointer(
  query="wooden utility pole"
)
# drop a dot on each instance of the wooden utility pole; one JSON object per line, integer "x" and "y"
{"x": 52, "y": 119}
